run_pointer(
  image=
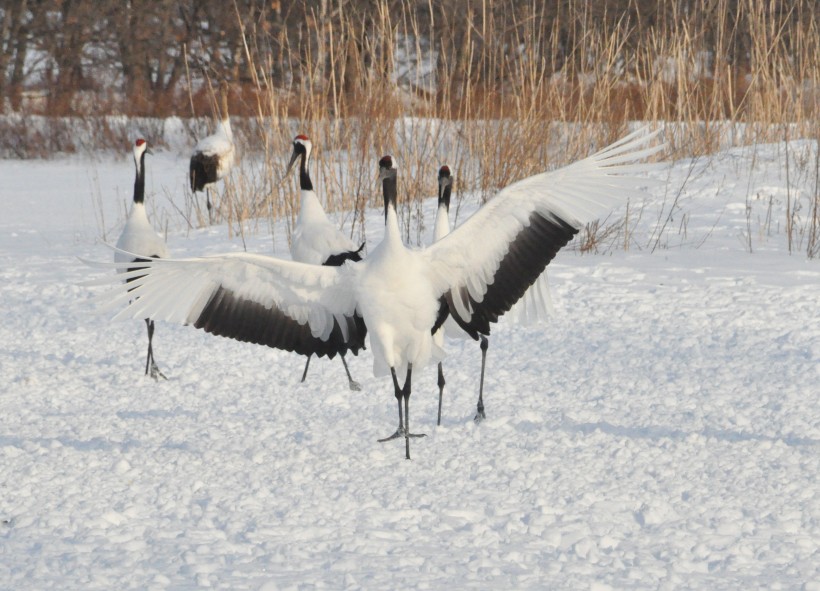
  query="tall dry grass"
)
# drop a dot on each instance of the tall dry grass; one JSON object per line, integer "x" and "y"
{"x": 511, "y": 96}
{"x": 523, "y": 88}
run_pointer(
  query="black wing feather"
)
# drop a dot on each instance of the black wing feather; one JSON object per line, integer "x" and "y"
{"x": 203, "y": 170}
{"x": 241, "y": 319}
{"x": 528, "y": 255}
{"x": 339, "y": 259}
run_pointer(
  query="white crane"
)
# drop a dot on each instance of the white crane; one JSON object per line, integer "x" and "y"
{"x": 400, "y": 296}
{"x": 139, "y": 238}
{"x": 214, "y": 155}
{"x": 534, "y": 305}
{"x": 440, "y": 230}
{"x": 317, "y": 240}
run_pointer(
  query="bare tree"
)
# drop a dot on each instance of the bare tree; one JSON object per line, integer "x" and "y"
{"x": 13, "y": 45}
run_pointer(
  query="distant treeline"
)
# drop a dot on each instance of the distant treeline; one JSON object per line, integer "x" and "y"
{"x": 159, "y": 58}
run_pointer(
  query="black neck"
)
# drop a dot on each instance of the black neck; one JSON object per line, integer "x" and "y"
{"x": 389, "y": 189}
{"x": 444, "y": 195}
{"x": 304, "y": 177}
{"x": 139, "y": 181}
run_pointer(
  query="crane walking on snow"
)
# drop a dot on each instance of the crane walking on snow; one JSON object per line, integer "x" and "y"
{"x": 138, "y": 237}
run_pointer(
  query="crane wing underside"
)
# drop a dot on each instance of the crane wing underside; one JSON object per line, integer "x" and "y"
{"x": 307, "y": 309}
{"x": 483, "y": 267}
{"x": 229, "y": 315}
{"x": 483, "y": 298}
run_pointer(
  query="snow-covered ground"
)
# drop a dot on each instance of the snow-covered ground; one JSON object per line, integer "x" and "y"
{"x": 662, "y": 432}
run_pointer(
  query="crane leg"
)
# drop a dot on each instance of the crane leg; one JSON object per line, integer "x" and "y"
{"x": 402, "y": 394}
{"x": 307, "y": 364}
{"x": 441, "y": 383}
{"x": 353, "y": 384}
{"x": 406, "y": 395}
{"x": 151, "y": 366}
{"x": 480, "y": 416}
{"x": 397, "y": 391}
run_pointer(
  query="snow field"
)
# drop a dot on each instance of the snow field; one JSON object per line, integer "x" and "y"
{"x": 662, "y": 432}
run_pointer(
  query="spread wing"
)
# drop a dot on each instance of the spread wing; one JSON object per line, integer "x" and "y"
{"x": 307, "y": 309}
{"x": 485, "y": 265}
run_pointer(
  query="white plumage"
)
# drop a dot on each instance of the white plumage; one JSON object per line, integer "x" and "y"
{"x": 317, "y": 240}
{"x": 214, "y": 155}
{"x": 139, "y": 238}
{"x": 396, "y": 294}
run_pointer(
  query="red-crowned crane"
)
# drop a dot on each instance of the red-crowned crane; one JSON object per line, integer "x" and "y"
{"x": 317, "y": 240}
{"x": 534, "y": 305}
{"x": 400, "y": 296}
{"x": 139, "y": 238}
{"x": 214, "y": 155}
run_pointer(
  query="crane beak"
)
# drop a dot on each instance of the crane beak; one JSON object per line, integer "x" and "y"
{"x": 293, "y": 160}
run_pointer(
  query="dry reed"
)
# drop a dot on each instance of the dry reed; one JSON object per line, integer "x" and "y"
{"x": 517, "y": 91}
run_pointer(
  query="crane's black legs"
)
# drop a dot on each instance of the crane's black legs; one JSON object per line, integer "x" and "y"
{"x": 150, "y": 358}
{"x": 150, "y": 366}
{"x": 404, "y": 426}
{"x": 407, "y": 434}
{"x": 441, "y": 383}
{"x": 209, "y": 205}
{"x": 353, "y": 384}
{"x": 480, "y": 406}
{"x": 399, "y": 395}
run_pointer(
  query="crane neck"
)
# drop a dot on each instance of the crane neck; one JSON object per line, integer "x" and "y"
{"x": 389, "y": 191}
{"x": 310, "y": 208}
{"x": 225, "y": 124}
{"x": 139, "y": 179}
{"x": 391, "y": 218}
{"x": 444, "y": 193}
{"x": 442, "y": 227}
{"x": 224, "y": 101}
{"x": 442, "y": 223}
{"x": 225, "y": 118}
{"x": 304, "y": 177}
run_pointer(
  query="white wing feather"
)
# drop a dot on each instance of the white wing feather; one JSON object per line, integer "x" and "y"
{"x": 177, "y": 290}
{"x": 535, "y": 306}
